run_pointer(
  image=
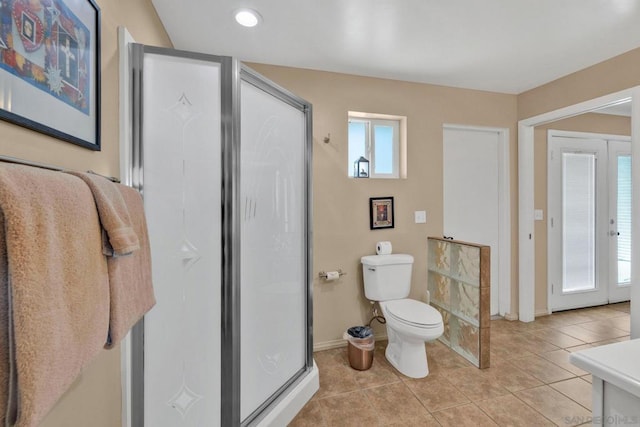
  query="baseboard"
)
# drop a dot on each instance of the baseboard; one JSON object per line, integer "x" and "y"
{"x": 538, "y": 313}
{"x": 328, "y": 345}
{"x": 541, "y": 312}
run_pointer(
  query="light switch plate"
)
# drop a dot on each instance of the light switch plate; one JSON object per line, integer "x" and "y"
{"x": 538, "y": 215}
{"x": 420, "y": 217}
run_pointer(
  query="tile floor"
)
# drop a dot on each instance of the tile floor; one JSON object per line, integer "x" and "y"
{"x": 530, "y": 381}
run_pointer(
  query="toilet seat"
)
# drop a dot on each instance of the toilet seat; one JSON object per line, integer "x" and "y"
{"x": 414, "y": 313}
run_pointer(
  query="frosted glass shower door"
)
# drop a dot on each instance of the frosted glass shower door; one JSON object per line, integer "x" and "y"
{"x": 274, "y": 252}
{"x": 179, "y": 172}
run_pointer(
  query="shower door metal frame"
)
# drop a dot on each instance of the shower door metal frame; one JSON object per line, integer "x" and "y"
{"x": 232, "y": 73}
{"x": 254, "y": 78}
{"x": 229, "y": 346}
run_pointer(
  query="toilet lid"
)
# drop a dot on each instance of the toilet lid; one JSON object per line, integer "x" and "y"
{"x": 414, "y": 312}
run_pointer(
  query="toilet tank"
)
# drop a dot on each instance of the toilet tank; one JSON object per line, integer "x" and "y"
{"x": 386, "y": 277}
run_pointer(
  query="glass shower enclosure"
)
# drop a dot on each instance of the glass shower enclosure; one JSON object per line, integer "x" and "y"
{"x": 222, "y": 157}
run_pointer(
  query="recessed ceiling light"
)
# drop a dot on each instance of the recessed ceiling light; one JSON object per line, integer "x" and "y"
{"x": 248, "y": 17}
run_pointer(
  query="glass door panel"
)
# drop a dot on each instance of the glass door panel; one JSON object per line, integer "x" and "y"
{"x": 578, "y": 222}
{"x": 274, "y": 311}
{"x": 620, "y": 220}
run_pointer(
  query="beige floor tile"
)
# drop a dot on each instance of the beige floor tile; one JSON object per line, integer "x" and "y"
{"x": 441, "y": 359}
{"x": 557, "y": 338}
{"x": 379, "y": 355}
{"x": 524, "y": 357}
{"x": 570, "y": 317}
{"x": 511, "y": 377}
{"x": 602, "y": 312}
{"x": 611, "y": 341}
{"x": 533, "y": 344}
{"x": 379, "y": 374}
{"x": 349, "y": 409}
{"x": 507, "y": 349}
{"x": 621, "y": 306}
{"x": 435, "y": 392}
{"x": 335, "y": 380}
{"x": 583, "y": 334}
{"x": 331, "y": 358}
{"x": 497, "y": 358}
{"x": 605, "y": 326}
{"x": 554, "y": 406}
{"x": 576, "y": 389}
{"x": 542, "y": 369}
{"x": 561, "y": 358}
{"x": 588, "y": 336}
{"x": 623, "y": 323}
{"x": 395, "y": 404}
{"x": 463, "y": 416}
{"x": 551, "y": 321}
{"x": 511, "y": 411}
{"x": 578, "y": 348}
{"x": 475, "y": 384}
{"x": 309, "y": 416}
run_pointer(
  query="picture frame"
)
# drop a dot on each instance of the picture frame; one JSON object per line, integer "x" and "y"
{"x": 50, "y": 68}
{"x": 381, "y": 213}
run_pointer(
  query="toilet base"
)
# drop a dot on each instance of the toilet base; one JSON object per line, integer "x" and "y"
{"x": 409, "y": 357}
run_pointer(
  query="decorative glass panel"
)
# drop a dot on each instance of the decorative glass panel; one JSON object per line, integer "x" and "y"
{"x": 459, "y": 283}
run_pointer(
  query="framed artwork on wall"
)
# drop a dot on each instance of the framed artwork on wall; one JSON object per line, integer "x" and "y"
{"x": 380, "y": 212}
{"x": 50, "y": 68}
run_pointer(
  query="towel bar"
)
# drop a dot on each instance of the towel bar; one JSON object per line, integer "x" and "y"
{"x": 9, "y": 159}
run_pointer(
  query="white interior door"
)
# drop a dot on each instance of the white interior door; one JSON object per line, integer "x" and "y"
{"x": 619, "y": 220}
{"x": 589, "y": 195}
{"x": 472, "y": 193}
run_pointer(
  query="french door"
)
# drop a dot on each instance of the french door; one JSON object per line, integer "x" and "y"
{"x": 619, "y": 220}
{"x": 589, "y": 230}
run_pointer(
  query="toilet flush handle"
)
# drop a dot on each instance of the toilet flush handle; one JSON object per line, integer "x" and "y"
{"x": 371, "y": 269}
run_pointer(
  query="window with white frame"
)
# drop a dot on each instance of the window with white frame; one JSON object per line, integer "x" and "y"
{"x": 380, "y": 139}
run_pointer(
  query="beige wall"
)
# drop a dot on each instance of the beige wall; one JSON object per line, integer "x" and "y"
{"x": 341, "y": 224}
{"x": 614, "y": 75}
{"x": 594, "y": 123}
{"x": 95, "y": 398}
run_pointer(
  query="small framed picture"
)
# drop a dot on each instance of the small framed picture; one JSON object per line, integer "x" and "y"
{"x": 381, "y": 212}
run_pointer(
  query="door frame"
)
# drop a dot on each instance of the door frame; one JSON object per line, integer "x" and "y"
{"x": 526, "y": 241}
{"x": 126, "y": 148}
{"x": 551, "y": 133}
{"x": 504, "y": 209}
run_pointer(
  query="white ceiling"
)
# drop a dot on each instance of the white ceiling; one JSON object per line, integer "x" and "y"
{"x": 505, "y": 46}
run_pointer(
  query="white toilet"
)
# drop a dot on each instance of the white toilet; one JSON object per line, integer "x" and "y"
{"x": 410, "y": 323}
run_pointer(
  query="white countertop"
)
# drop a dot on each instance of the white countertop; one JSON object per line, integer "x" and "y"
{"x": 618, "y": 364}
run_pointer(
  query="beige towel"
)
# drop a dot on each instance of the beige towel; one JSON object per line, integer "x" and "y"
{"x": 56, "y": 286}
{"x": 130, "y": 277}
{"x": 113, "y": 213}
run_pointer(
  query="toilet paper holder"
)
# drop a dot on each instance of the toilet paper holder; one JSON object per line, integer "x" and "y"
{"x": 323, "y": 274}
